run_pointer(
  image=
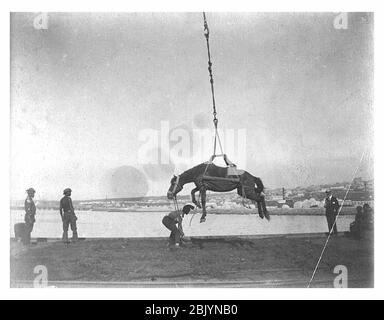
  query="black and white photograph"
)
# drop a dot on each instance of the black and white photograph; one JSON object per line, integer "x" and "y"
{"x": 192, "y": 150}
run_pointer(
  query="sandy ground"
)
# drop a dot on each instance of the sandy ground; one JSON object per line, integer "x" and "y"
{"x": 228, "y": 262}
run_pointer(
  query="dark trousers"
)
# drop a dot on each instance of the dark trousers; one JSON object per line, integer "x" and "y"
{"x": 170, "y": 224}
{"x": 29, "y": 222}
{"x": 355, "y": 229}
{"x": 69, "y": 219}
{"x": 331, "y": 218}
{"x": 28, "y": 231}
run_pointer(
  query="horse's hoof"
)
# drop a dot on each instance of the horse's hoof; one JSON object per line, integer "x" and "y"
{"x": 267, "y": 216}
{"x": 202, "y": 220}
{"x": 261, "y": 216}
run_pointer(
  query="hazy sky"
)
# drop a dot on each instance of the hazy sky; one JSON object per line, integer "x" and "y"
{"x": 85, "y": 88}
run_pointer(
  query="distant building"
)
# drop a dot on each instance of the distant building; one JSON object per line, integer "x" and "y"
{"x": 337, "y": 188}
{"x": 359, "y": 184}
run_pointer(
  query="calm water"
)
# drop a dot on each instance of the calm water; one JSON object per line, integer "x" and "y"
{"x": 148, "y": 224}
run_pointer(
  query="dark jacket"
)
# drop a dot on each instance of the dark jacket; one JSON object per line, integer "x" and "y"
{"x": 331, "y": 205}
{"x": 66, "y": 205}
{"x": 30, "y": 210}
{"x": 29, "y": 206}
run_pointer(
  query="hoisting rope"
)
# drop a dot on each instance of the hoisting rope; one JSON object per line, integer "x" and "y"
{"x": 215, "y": 120}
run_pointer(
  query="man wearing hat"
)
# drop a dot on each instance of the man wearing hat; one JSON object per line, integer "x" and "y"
{"x": 30, "y": 212}
{"x": 68, "y": 215}
{"x": 331, "y": 206}
{"x": 173, "y": 222}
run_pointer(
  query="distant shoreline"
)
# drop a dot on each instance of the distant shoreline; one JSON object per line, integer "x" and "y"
{"x": 235, "y": 211}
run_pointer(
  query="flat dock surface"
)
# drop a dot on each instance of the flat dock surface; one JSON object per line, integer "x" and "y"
{"x": 282, "y": 261}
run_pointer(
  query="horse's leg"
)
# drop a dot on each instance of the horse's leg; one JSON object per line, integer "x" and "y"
{"x": 194, "y": 198}
{"x": 203, "y": 195}
{"x": 240, "y": 192}
{"x": 261, "y": 206}
{"x": 260, "y": 201}
{"x": 260, "y": 209}
{"x": 265, "y": 211}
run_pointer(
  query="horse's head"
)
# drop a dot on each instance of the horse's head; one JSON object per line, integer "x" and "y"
{"x": 175, "y": 187}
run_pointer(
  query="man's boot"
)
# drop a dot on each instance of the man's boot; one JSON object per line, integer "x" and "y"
{"x": 65, "y": 236}
{"x": 74, "y": 236}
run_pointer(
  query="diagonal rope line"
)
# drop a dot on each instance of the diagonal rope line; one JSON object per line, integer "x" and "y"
{"x": 334, "y": 223}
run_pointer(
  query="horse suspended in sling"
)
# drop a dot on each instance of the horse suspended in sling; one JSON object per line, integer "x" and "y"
{"x": 220, "y": 179}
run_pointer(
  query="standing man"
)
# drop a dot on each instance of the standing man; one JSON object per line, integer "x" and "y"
{"x": 30, "y": 212}
{"x": 68, "y": 216}
{"x": 331, "y": 206}
{"x": 173, "y": 222}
